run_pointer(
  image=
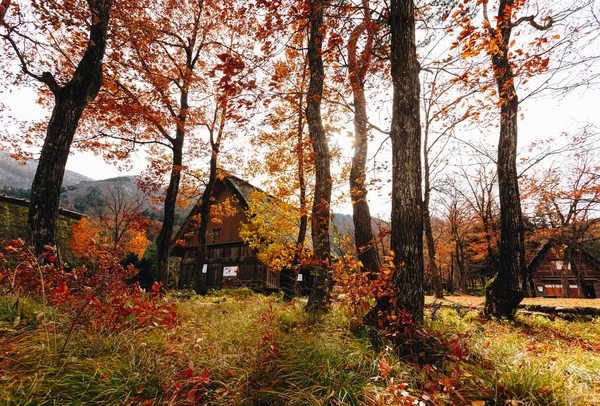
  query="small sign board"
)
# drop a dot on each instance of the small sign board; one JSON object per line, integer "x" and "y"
{"x": 230, "y": 271}
{"x": 300, "y": 277}
{"x": 205, "y": 268}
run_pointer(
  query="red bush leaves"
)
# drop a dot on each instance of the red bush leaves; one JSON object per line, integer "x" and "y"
{"x": 96, "y": 295}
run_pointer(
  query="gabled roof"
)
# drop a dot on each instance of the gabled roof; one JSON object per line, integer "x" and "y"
{"x": 241, "y": 188}
{"x": 543, "y": 250}
{"x": 539, "y": 256}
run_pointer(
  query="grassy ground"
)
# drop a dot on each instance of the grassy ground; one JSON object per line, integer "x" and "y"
{"x": 245, "y": 349}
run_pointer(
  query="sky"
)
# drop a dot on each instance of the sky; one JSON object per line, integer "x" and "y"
{"x": 544, "y": 118}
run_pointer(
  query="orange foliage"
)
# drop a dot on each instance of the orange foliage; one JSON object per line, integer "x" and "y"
{"x": 83, "y": 241}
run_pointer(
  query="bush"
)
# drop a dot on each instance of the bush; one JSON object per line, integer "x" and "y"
{"x": 96, "y": 295}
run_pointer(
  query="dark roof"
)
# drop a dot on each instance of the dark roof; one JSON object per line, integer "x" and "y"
{"x": 25, "y": 203}
{"x": 539, "y": 256}
{"x": 543, "y": 250}
{"x": 241, "y": 188}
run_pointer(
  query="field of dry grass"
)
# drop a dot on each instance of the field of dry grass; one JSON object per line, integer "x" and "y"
{"x": 239, "y": 348}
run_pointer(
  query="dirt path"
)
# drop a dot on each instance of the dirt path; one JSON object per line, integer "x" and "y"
{"x": 477, "y": 301}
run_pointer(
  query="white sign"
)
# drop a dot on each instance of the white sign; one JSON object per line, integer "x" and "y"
{"x": 204, "y": 268}
{"x": 230, "y": 271}
{"x": 299, "y": 278}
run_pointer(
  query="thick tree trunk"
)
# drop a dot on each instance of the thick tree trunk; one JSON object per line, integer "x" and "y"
{"x": 42, "y": 224}
{"x": 70, "y": 102}
{"x": 407, "y": 204}
{"x": 163, "y": 241}
{"x": 506, "y": 291}
{"x": 322, "y": 199}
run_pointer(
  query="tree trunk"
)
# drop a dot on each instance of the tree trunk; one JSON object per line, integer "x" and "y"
{"x": 450, "y": 287}
{"x": 201, "y": 256}
{"x": 163, "y": 241}
{"x": 289, "y": 275}
{"x": 365, "y": 242}
{"x": 407, "y": 204}
{"x": 460, "y": 262}
{"x": 322, "y": 199}
{"x": 70, "y": 102}
{"x": 570, "y": 258}
{"x": 435, "y": 273}
{"x": 506, "y": 291}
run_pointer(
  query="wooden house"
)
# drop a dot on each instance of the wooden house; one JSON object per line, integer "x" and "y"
{"x": 231, "y": 262}
{"x": 13, "y": 222}
{"x": 550, "y": 270}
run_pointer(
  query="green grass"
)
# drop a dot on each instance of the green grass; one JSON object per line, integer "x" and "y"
{"x": 261, "y": 351}
{"x": 534, "y": 360}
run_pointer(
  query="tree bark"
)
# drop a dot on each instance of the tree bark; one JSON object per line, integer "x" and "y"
{"x": 322, "y": 198}
{"x": 571, "y": 258}
{"x": 289, "y": 275}
{"x": 70, "y": 101}
{"x": 407, "y": 203}
{"x": 201, "y": 256}
{"x": 506, "y": 290}
{"x": 364, "y": 239}
{"x": 163, "y": 241}
{"x": 435, "y": 272}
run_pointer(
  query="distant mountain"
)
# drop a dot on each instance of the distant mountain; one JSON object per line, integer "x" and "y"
{"x": 85, "y": 197}
{"x": 14, "y": 175}
{"x": 88, "y": 197}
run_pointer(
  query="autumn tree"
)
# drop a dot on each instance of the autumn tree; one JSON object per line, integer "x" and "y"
{"x": 161, "y": 87}
{"x": 282, "y": 149}
{"x": 116, "y": 224}
{"x": 359, "y": 63}
{"x": 272, "y": 229}
{"x": 229, "y": 106}
{"x": 512, "y": 65}
{"x": 478, "y": 189}
{"x": 322, "y": 195}
{"x": 121, "y": 220}
{"x": 149, "y": 82}
{"x": 59, "y": 45}
{"x": 405, "y": 133}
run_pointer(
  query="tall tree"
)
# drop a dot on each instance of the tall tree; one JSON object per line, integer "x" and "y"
{"x": 31, "y": 32}
{"x": 164, "y": 83}
{"x": 407, "y": 213}
{"x": 358, "y": 66}
{"x": 322, "y": 196}
{"x": 287, "y": 174}
{"x": 511, "y": 65}
{"x": 149, "y": 82}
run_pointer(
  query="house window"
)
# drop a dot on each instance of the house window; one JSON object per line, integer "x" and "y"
{"x": 216, "y": 235}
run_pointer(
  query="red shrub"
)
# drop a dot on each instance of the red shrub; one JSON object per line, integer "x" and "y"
{"x": 95, "y": 295}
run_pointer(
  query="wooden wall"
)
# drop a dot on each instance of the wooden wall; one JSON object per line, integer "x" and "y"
{"x": 548, "y": 277}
